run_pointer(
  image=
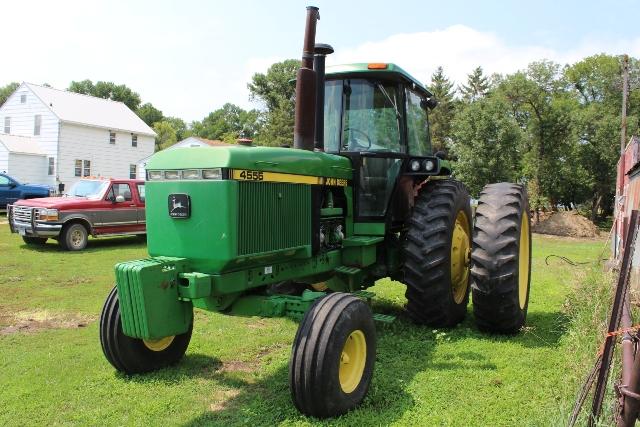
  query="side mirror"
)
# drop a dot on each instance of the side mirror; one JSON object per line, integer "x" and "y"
{"x": 429, "y": 103}
{"x": 119, "y": 198}
{"x": 12, "y": 185}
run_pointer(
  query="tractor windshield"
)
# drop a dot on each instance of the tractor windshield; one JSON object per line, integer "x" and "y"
{"x": 370, "y": 120}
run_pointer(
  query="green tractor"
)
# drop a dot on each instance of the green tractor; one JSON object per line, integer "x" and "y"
{"x": 302, "y": 232}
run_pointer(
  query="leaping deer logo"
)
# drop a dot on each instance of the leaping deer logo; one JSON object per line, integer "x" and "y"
{"x": 175, "y": 204}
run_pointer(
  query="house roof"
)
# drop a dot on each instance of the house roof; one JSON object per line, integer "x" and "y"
{"x": 88, "y": 110}
{"x": 211, "y": 142}
{"x": 20, "y": 144}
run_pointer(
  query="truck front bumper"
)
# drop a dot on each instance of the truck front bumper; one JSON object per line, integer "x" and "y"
{"x": 40, "y": 229}
{"x": 31, "y": 227}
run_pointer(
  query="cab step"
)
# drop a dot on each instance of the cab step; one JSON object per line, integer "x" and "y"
{"x": 387, "y": 319}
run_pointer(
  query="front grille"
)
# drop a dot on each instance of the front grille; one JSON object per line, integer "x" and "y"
{"x": 23, "y": 213}
{"x": 273, "y": 216}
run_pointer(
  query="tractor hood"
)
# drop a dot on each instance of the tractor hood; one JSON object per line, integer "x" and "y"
{"x": 268, "y": 159}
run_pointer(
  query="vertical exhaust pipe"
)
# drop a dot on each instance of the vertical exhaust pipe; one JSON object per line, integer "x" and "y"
{"x": 321, "y": 52}
{"x": 305, "y": 116}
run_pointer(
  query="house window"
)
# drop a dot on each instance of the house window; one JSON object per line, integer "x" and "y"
{"x": 23, "y": 98}
{"x": 134, "y": 140}
{"x": 7, "y": 125}
{"x": 51, "y": 160}
{"x": 87, "y": 168}
{"x": 112, "y": 137}
{"x": 132, "y": 171}
{"x": 37, "y": 121}
{"x": 78, "y": 168}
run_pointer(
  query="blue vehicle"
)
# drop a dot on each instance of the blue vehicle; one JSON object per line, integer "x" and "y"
{"x": 11, "y": 191}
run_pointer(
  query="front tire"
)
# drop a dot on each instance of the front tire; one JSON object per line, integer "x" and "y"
{"x": 34, "y": 240}
{"x": 134, "y": 355}
{"x": 436, "y": 255}
{"x": 74, "y": 237}
{"x": 501, "y": 258}
{"x": 333, "y": 355}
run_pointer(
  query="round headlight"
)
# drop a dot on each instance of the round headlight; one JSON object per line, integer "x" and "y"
{"x": 429, "y": 165}
{"x": 414, "y": 165}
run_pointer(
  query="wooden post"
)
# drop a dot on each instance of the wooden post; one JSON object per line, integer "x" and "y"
{"x": 625, "y": 94}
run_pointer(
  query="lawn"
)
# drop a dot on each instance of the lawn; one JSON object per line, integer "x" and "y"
{"x": 235, "y": 370}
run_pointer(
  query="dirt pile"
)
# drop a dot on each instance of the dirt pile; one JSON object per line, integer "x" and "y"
{"x": 566, "y": 223}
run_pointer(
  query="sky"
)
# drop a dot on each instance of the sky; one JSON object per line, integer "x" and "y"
{"x": 189, "y": 57}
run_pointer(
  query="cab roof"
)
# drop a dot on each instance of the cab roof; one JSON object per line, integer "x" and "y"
{"x": 362, "y": 70}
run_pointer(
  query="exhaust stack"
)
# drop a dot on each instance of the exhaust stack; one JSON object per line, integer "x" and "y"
{"x": 305, "y": 116}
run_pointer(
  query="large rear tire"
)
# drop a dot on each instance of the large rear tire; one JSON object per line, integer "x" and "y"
{"x": 134, "y": 355}
{"x": 501, "y": 258}
{"x": 332, "y": 358}
{"x": 436, "y": 254}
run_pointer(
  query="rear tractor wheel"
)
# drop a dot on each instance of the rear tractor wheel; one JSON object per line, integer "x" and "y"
{"x": 437, "y": 250}
{"x": 133, "y": 355}
{"x": 501, "y": 258}
{"x": 332, "y": 358}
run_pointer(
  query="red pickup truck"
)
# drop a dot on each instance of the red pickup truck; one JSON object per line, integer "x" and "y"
{"x": 97, "y": 207}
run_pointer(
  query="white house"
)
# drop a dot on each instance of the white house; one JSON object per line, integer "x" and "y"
{"x": 50, "y": 136}
{"x": 192, "y": 141}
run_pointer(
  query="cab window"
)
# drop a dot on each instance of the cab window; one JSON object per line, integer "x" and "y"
{"x": 141, "y": 191}
{"x": 4, "y": 180}
{"x": 417, "y": 126}
{"x": 120, "y": 190}
{"x": 362, "y": 115}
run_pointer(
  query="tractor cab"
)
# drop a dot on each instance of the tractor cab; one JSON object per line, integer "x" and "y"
{"x": 377, "y": 115}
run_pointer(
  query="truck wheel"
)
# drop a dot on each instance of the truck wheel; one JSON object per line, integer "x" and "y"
{"x": 436, "y": 254}
{"x": 501, "y": 258}
{"x": 34, "y": 240}
{"x": 74, "y": 237}
{"x": 134, "y": 355}
{"x": 332, "y": 358}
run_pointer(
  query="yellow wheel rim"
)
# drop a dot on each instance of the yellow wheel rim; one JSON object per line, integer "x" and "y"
{"x": 460, "y": 256}
{"x": 160, "y": 344}
{"x": 352, "y": 361}
{"x": 523, "y": 261}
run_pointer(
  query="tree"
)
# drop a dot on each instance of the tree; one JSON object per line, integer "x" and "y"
{"x": 441, "y": 117}
{"x": 165, "y": 135}
{"x": 107, "y": 90}
{"x": 182, "y": 131}
{"x": 276, "y": 91}
{"x": 487, "y": 141}
{"x": 543, "y": 108}
{"x": 477, "y": 86}
{"x": 597, "y": 85}
{"x": 6, "y": 91}
{"x": 149, "y": 114}
{"x": 228, "y": 122}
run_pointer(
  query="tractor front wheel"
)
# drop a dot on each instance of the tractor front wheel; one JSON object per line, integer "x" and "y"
{"x": 436, "y": 254}
{"x": 133, "y": 355}
{"x": 332, "y": 358}
{"x": 501, "y": 258}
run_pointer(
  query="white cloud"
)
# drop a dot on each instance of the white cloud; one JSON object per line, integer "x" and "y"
{"x": 188, "y": 65}
{"x": 459, "y": 49}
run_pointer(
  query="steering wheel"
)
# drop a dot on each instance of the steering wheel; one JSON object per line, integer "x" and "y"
{"x": 354, "y": 141}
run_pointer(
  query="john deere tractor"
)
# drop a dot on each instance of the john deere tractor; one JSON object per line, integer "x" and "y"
{"x": 303, "y": 231}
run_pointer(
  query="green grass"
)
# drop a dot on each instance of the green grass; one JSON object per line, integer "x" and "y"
{"x": 235, "y": 370}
